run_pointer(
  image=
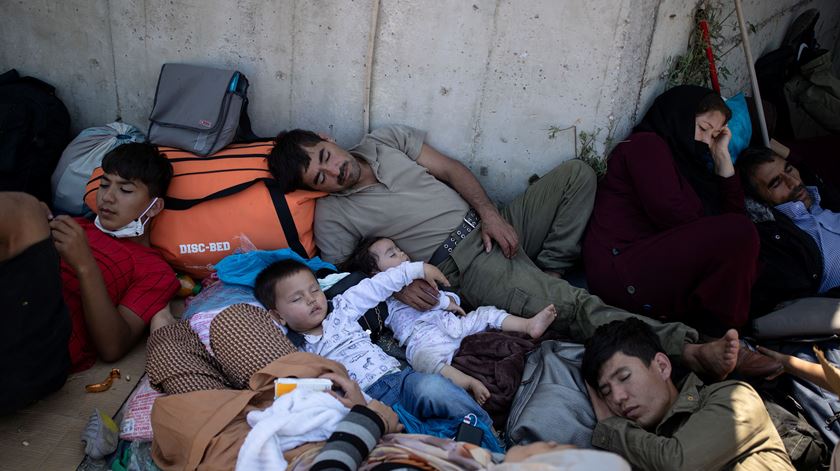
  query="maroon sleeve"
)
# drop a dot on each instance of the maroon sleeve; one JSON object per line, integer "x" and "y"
{"x": 731, "y": 194}
{"x": 667, "y": 198}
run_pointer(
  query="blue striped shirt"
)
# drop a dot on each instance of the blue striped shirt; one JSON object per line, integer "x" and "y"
{"x": 824, "y": 227}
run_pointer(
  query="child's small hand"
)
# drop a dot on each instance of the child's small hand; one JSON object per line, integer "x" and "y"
{"x": 455, "y": 308}
{"x": 433, "y": 275}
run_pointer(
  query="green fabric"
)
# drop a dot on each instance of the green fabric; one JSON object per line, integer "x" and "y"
{"x": 550, "y": 218}
{"x": 813, "y": 98}
{"x": 720, "y": 426}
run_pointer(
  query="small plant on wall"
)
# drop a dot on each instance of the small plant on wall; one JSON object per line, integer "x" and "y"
{"x": 586, "y": 144}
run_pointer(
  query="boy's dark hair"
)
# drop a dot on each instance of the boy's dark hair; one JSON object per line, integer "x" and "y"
{"x": 631, "y": 337}
{"x": 268, "y": 278}
{"x": 288, "y": 159}
{"x": 748, "y": 161}
{"x": 362, "y": 259}
{"x": 143, "y": 162}
{"x": 713, "y": 102}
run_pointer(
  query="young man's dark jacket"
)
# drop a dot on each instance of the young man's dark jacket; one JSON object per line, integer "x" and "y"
{"x": 791, "y": 264}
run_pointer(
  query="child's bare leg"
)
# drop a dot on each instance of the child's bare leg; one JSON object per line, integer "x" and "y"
{"x": 534, "y": 326}
{"x": 470, "y": 384}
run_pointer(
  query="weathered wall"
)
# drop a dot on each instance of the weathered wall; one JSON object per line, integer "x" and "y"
{"x": 486, "y": 78}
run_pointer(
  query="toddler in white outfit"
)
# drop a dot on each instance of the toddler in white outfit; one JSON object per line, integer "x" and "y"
{"x": 432, "y": 337}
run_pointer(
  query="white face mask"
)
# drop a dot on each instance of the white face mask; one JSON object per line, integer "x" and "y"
{"x": 133, "y": 229}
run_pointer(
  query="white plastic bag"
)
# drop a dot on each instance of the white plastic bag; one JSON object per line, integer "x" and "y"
{"x": 81, "y": 157}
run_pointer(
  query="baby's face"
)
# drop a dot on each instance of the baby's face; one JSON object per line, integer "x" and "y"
{"x": 387, "y": 254}
{"x": 300, "y": 304}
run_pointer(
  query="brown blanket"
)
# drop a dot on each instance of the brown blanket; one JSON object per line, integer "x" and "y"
{"x": 497, "y": 359}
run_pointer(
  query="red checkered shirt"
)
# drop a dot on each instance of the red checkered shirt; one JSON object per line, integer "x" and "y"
{"x": 136, "y": 277}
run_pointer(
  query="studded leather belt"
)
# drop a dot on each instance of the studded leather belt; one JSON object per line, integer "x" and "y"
{"x": 470, "y": 223}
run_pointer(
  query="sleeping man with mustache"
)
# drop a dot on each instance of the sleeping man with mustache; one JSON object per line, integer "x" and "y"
{"x": 799, "y": 227}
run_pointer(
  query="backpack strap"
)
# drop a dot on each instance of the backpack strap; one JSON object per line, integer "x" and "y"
{"x": 278, "y": 198}
{"x": 244, "y": 133}
{"x": 284, "y": 214}
{"x": 178, "y": 204}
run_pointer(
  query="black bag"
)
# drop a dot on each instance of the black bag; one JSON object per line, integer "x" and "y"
{"x": 34, "y": 129}
{"x": 775, "y": 68}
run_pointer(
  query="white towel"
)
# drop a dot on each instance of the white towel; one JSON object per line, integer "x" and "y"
{"x": 295, "y": 418}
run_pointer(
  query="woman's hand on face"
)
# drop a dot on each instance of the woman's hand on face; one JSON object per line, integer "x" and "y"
{"x": 720, "y": 153}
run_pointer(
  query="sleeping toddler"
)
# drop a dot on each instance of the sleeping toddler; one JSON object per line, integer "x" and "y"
{"x": 432, "y": 337}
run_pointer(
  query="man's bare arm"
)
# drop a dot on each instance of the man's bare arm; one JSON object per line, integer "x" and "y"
{"x": 113, "y": 329}
{"x": 421, "y": 295}
{"x": 459, "y": 177}
{"x": 161, "y": 319}
{"x": 23, "y": 224}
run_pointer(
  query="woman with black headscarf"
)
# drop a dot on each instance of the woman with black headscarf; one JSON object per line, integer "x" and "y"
{"x": 668, "y": 237}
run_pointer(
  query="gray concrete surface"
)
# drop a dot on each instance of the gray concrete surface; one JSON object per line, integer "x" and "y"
{"x": 485, "y": 78}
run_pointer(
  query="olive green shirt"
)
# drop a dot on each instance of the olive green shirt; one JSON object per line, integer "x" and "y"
{"x": 407, "y": 204}
{"x": 720, "y": 426}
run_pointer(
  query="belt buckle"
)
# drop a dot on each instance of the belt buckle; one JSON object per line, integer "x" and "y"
{"x": 471, "y": 218}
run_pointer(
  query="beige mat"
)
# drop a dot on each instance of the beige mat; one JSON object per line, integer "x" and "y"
{"x": 45, "y": 436}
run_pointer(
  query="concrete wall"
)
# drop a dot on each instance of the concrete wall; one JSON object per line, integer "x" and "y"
{"x": 486, "y": 78}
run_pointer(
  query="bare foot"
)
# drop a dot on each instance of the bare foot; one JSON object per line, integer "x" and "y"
{"x": 478, "y": 390}
{"x": 467, "y": 382}
{"x": 715, "y": 359}
{"x": 538, "y": 324}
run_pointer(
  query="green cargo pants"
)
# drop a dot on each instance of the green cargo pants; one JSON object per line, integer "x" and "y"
{"x": 550, "y": 218}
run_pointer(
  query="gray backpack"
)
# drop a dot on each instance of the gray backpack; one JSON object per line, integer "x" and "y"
{"x": 199, "y": 109}
{"x": 551, "y": 403}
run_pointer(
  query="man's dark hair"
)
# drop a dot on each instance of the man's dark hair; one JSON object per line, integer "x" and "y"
{"x": 362, "y": 259}
{"x": 143, "y": 162}
{"x": 713, "y": 102}
{"x": 750, "y": 159}
{"x": 288, "y": 159}
{"x": 631, "y": 337}
{"x": 268, "y": 278}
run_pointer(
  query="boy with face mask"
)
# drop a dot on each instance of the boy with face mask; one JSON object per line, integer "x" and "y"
{"x": 76, "y": 289}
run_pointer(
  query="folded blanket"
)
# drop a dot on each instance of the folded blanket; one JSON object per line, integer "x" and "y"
{"x": 293, "y": 419}
{"x": 497, "y": 359}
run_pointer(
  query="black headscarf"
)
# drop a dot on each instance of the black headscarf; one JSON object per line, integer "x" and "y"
{"x": 672, "y": 117}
